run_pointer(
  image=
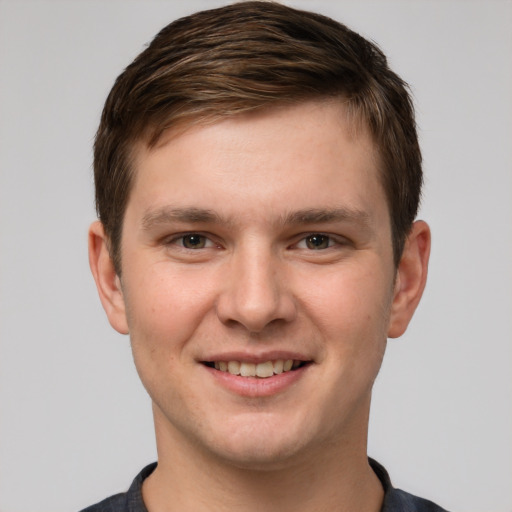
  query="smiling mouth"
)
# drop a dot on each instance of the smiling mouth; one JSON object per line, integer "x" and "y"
{"x": 260, "y": 370}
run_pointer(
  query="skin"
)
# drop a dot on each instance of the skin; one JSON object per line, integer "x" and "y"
{"x": 256, "y": 193}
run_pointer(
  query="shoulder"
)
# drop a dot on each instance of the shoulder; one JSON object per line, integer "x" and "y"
{"x": 129, "y": 501}
{"x": 401, "y": 501}
{"x": 396, "y": 500}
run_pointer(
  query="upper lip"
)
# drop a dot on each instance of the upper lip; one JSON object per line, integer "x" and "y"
{"x": 256, "y": 358}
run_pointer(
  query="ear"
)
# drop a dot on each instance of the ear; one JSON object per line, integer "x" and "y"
{"x": 107, "y": 280}
{"x": 410, "y": 279}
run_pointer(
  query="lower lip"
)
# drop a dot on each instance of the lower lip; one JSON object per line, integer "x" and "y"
{"x": 255, "y": 387}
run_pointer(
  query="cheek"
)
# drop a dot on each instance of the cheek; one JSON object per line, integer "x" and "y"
{"x": 163, "y": 314}
{"x": 351, "y": 309}
{"x": 165, "y": 307}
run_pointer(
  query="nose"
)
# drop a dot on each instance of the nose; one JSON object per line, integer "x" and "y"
{"x": 255, "y": 294}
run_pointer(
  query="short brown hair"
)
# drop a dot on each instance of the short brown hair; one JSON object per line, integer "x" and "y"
{"x": 245, "y": 57}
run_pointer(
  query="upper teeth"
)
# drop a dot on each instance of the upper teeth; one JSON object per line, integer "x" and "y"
{"x": 266, "y": 369}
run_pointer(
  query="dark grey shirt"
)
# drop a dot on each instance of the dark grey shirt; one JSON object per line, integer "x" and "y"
{"x": 395, "y": 500}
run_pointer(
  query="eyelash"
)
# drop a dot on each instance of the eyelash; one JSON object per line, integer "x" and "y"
{"x": 180, "y": 241}
{"x": 313, "y": 238}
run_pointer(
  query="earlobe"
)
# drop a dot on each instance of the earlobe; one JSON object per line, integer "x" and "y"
{"x": 106, "y": 278}
{"x": 411, "y": 278}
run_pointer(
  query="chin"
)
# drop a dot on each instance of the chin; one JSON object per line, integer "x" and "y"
{"x": 261, "y": 444}
{"x": 259, "y": 456}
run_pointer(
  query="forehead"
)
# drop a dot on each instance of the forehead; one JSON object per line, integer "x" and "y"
{"x": 284, "y": 158}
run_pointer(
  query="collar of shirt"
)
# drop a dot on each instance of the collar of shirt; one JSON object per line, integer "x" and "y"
{"x": 395, "y": 500}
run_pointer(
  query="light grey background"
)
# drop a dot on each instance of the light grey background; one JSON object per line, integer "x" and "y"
{"x": 75, "y": 423}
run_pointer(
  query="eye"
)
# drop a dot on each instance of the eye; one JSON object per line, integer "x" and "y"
{"x": 194, "y": 241}
{"x": 315, "y": 242}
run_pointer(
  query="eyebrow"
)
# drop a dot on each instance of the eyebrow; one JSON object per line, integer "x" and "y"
{"x": 167, "y": 214}
{"x": 321, "y": 215}
{"x": 193, "y": 215}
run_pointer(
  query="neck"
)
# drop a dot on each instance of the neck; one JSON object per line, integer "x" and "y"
{"x": 335, "y": 477}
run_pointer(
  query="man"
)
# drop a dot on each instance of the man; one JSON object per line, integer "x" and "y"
{"x": 257, "y": 178}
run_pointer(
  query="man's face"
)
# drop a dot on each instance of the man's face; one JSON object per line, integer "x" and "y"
{"x": 248, "y": 246}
